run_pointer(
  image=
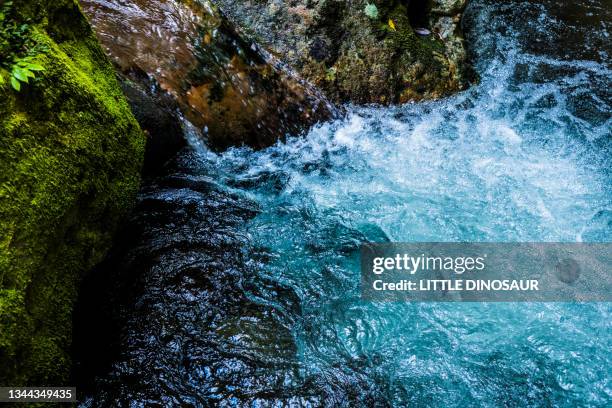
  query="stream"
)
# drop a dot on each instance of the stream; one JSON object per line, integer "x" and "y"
{"x": 236, "y": 281}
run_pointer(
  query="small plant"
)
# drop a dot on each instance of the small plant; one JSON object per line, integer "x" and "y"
{"x": 371, "y": 11}
{"x": 18, "y": 49}
{"x": 330, "y": 74}
{"x": 23, "y": 69}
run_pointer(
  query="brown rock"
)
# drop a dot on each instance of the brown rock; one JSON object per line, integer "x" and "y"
{"x": 229, "y": 89}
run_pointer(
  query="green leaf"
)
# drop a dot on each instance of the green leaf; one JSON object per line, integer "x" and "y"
{"x": 35, "y": 67}
{"x": 15, "y": 84}
{"x": 20, "y": 73}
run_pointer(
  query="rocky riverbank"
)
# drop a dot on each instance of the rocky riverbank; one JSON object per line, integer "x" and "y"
{"x": 253, "y": 72}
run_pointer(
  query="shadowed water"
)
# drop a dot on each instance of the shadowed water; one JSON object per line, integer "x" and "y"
{"x": 237, "y": 281}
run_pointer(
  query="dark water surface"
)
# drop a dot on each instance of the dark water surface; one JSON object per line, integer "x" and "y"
{"x": 236, "y": 282}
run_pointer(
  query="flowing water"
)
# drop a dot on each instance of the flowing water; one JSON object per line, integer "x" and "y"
{"x": 237, "y": 280}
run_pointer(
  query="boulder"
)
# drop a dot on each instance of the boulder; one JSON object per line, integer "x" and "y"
{"x": 222, "y": 82}
{"x": 70, "y": 159}
{"x": 363, "y": 51}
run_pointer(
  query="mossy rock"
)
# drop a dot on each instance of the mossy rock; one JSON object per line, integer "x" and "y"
{"x": 357, "y": 55}
{"x": 70, "y": 159}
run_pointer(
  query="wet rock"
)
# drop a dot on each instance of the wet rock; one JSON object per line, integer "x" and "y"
{"x": 158, "y": 117}
{"x": 70, "y": 159}
{"x": 223, "y": 83}
{"x": 365, "y": 50}
{"x": 447, "y": 7}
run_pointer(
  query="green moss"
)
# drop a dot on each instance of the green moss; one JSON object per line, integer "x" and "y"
{"x": 422, "y": 61}
{"x": 70, "y": 156}
{"x": 383, "y": 60}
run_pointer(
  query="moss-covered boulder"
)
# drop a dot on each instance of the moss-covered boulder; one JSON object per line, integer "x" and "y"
{"x": 70, "y": 157}
{"x": 363, "y": 50}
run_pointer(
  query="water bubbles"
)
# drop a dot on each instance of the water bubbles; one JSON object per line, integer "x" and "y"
{"x": 512, "y": 159}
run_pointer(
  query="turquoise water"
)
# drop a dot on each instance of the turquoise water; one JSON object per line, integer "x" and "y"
{"x": 524, "y": 155}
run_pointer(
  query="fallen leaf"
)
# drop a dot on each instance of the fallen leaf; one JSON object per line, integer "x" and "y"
{"x": 392, "y": 25}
